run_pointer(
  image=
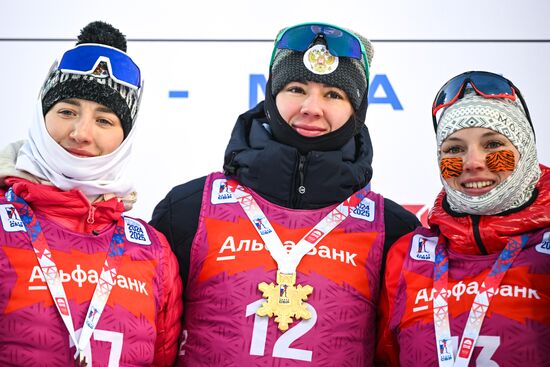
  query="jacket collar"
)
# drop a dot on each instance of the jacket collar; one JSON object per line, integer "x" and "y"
{"x": 463, "y": 232}
{"x": 276, "y": 171}
{"x": 71, "y": 209}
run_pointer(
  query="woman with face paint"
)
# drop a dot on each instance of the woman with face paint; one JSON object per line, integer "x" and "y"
{"x": 474, "y": 288}
{"x": 80, "y": 282}
{"x": 282, "y": 253}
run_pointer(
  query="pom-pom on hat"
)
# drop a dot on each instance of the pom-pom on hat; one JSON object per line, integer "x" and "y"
{"x": 98, "y": 85}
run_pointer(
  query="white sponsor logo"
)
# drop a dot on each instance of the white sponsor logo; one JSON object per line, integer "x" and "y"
{"x": 232, "y": 247}
{"x": 425, "y": 296}
{"x": 135, "y": 232}
{"x": 11, "y": 221}
{"x": 423, "y": 248}
{"x": 80, "y": 276}
{"x": 221, "y": 193}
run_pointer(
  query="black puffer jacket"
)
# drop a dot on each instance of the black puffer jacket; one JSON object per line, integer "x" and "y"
{"x": 281, "y": 175}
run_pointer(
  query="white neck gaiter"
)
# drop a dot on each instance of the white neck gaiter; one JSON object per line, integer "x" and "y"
{"x": 507, "y": 118}
{"x": 47, "y": 160}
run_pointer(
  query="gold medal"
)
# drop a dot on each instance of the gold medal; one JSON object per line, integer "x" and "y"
{"x": 284, "y": 300}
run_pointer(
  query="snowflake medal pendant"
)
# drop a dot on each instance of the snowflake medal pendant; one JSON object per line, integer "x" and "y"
{"x": 284, "y": 300}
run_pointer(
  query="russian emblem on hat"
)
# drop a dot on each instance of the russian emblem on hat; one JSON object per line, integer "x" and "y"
{"x": 319, "y": 60}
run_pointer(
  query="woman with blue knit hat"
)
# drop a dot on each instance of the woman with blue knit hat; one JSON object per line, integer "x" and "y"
{"x": 281, "y": 254}
{"x": 474, "y": 288}
{"x": 81, "y": 282}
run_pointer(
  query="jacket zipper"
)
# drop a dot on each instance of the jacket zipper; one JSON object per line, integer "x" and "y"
{"x": 300, "y": 188}
{"x": 477, "y": 235}
{"x": 91, "y": 214}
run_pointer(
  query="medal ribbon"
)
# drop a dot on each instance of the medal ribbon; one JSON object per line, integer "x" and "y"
{"x": 50, "y": 271}
{"x": 481, "y": 303}
{"x": 287, "y": 261}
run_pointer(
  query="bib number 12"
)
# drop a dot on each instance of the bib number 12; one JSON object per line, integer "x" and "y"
{"x": 281, "y": 348}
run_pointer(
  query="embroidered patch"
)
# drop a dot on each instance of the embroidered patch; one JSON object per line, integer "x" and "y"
{"x": 365, "y": 210}
{"x": 544, "y": 246}
{"x": 11, "y": 221}
{"x": 319, "y": 60}
{"x": 221, "y": 193}
{"x": 423, "y": 248}
{"x": 135, "y": 232}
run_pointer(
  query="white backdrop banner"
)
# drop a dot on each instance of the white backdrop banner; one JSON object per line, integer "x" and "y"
{"x": 205, "y": 64}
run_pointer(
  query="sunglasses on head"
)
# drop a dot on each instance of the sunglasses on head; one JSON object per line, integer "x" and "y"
{"x": 485, "y": 84}
{"x": 339, "y": 42}
{"x": 101, "y": 60}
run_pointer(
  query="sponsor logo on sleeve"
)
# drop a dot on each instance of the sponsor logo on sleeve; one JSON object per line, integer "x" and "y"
{"x": 221, "y": 193}
{"x": 11, "y": 221}
{"x": 135, "y": 232}
{"x": 423, "y": 248}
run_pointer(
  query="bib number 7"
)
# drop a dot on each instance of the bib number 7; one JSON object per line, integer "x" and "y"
{"x": 105, "y": 336}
